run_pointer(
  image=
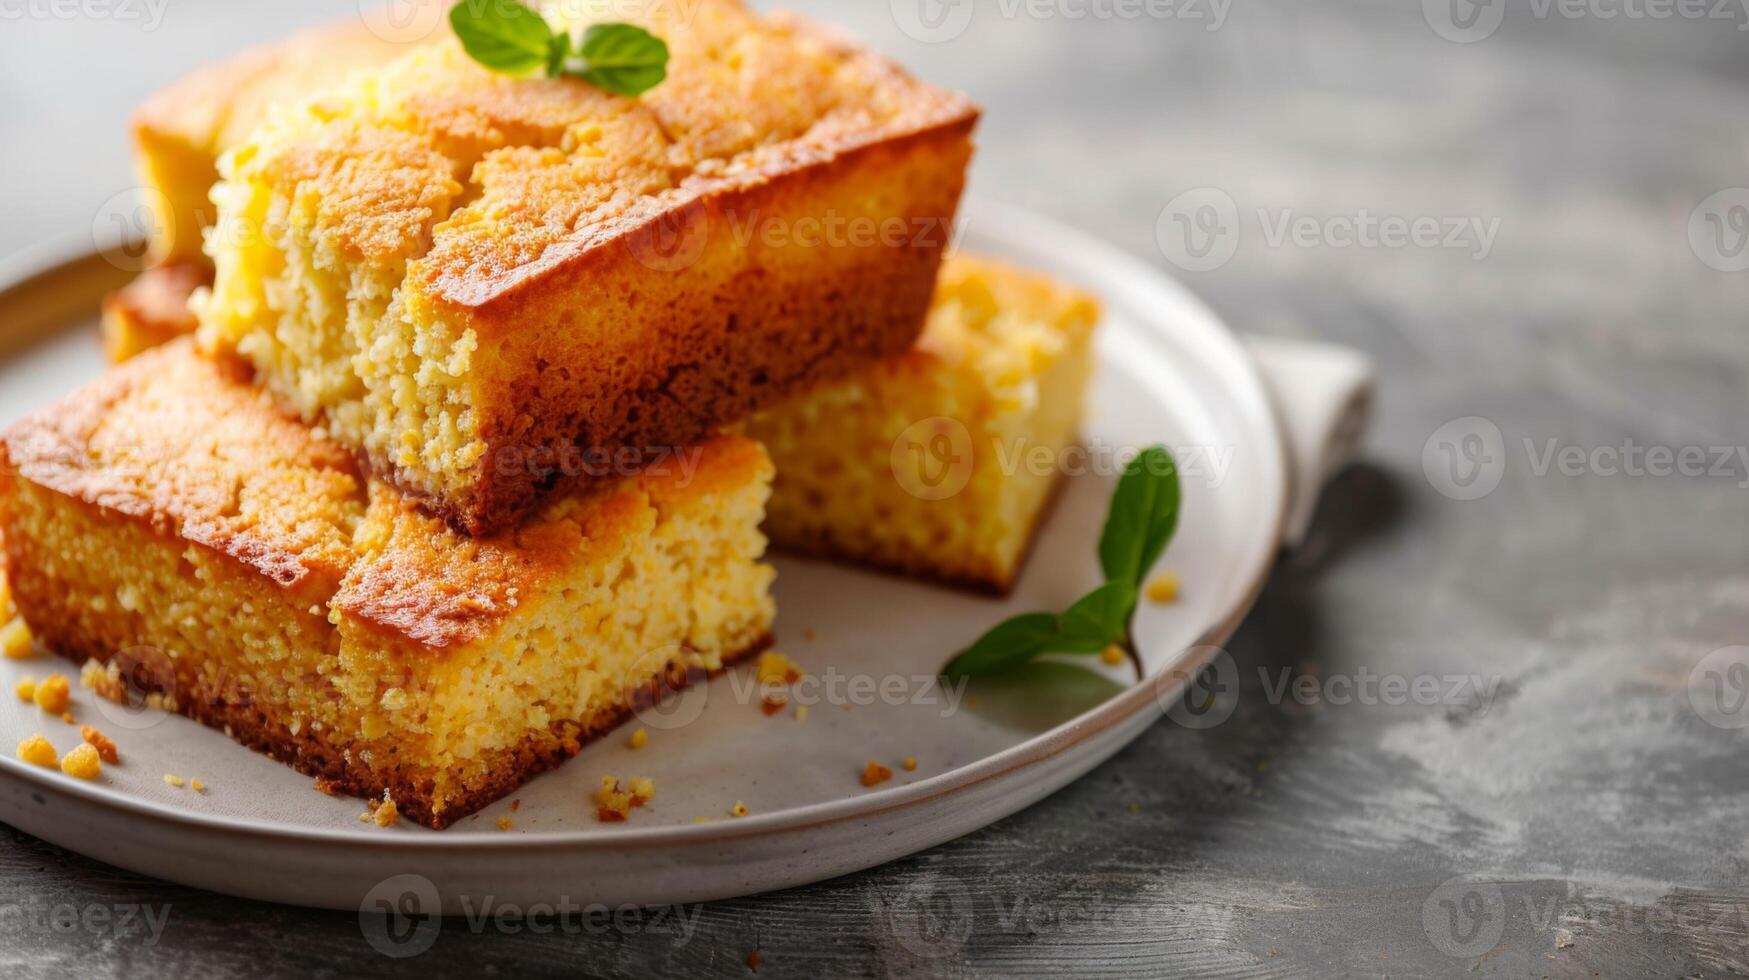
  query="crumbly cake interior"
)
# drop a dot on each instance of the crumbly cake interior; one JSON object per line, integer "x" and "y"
{"x": 1000, "y": 372}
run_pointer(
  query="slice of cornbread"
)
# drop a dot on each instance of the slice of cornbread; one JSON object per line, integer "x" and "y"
{"x": 474, "y": 278}
{"x": 939, "y": 462}
{"x": 167, "y": 521}
{"x": 181, "y": 129}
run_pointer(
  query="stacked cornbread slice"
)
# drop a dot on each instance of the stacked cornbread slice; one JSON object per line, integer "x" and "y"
{"x": 450, "y": 480}
{"x": 170, "y": 520}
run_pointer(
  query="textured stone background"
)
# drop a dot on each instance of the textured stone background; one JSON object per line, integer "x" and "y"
{"x": 1584, "y": 820}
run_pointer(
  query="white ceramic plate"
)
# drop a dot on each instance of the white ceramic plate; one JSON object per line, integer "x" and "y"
{"x": 1168, "y": 372}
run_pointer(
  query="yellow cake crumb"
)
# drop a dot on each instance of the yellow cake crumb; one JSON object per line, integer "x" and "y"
{"x": 15, "y": 640}
{"x": 910, "y": 763}
{"x": 1112, "y": 655}
{"x": 197, "y": 786}
{"x": 99, "y": 741}
{"x": 614, "y": 801}
{"x": 103, "y": 680}
{"x": 516, "y": 804}
{"x": 82, "y": 762}
{"x": 67, "y": 716}
{"x": 801, "y": 712}
{"x": 25, "y": 688}
{"x": 52, "y": 694}
{"x": 1163, "y": 588}
{"x": 38, "y": 751}
{"x": 701, "y": 820}
{"x": 771, "y": 704}
{"x": 386, "y": 814}
{"x": 639, "y": 739}
{"x": 875, "y": 774}
{"x": 775, "y": 668}
{"x": 505, "y": 823}
{"x": 738, "y": 810}
{"x": 173, "y": 780}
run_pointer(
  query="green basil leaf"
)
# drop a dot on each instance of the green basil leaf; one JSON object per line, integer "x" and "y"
{"x": 503, "y": 35}
{"x": 1143, "y": 516}
{"x": 620, "y": 58}
{"x": 1099, "y": 618}
{"x": 1008, "y": 644}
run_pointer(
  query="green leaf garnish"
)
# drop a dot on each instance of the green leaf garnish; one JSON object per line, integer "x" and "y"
{"x": 503, "y": 35}
{"x": 511, "y": 38}
{"x": 620, "y": 58}
{"x": 1009, "y": 644}
{"x": 1100, "y": 618}
{"x": 1142, "y": 519}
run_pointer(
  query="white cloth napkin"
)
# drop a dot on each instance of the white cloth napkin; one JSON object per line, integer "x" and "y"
{"x": 1323, "y": 396}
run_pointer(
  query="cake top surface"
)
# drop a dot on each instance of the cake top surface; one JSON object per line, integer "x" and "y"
{"x": 485, "y": 182}
{"x": 216, "y": 106}
{"x": 189, "y": 447}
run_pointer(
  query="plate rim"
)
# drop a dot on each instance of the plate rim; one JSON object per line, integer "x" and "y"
{"x": 32, "y": 267}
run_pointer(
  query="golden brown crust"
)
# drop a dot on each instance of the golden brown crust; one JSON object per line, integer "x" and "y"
{"x": 152, "y": 310}
{"x": 186, "y": 446}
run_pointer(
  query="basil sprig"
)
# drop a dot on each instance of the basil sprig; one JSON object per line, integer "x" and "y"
{"x": 513, "y": 39}
{"x": 1141, "y": 522}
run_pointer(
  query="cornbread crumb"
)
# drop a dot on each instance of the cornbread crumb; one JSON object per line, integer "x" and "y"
{"x": 809, "y": 634}
{"x": 82, "y": 762}
{"x": 801, "y": 712}
{"x": 875, "y": 774}
{"x": 67, "y": 716}
{"x": 103, "y": 680}
{"x": 516, "y": 804}
{"x": 52, "y": 694}
{"x": 910, "y": 763}
{"x": 775, "y": 668}
{"x": 505, "y": 823}
{"x": 25, "y": 688}
{"x": 15, "y": 640}
{"x": 38, "y": 751}
{"x": 614, "y": 801}
{"x": 701, "y": 820}
{"x": 99, "y": 741}
{"x": 173, "y": 780}
{"x": 1163, "y": 587}
{"x": 1135, "y": 808}
{"x": 753, "y": 961}
{"x": 738, "y": 810}
{"x": 1111, "y": 656}
{"x": 639, "y": 739}
{"x": 386, "y": 814}
{"x": 772, "y": 704}
{"x": 197, "y": 786}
